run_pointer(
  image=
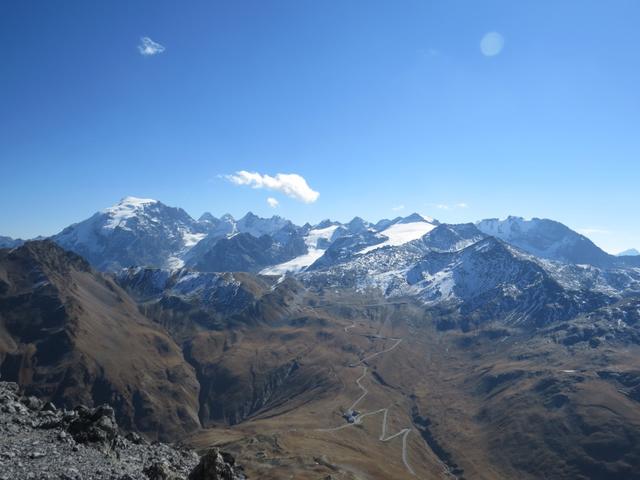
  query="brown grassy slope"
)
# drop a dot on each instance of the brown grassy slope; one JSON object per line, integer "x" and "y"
{"x": 499, "y": 402}
{"x": 527, "y": 407}
{"x": 287, "y": 437}
{"x": 495, "y": 403}
{"x": 72, "y": 335}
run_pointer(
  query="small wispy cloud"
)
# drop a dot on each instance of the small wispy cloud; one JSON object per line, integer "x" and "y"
{"x": 594, "y": 231}
{"x": 291, "y": 184}
{"x": 273, "y": 202}
{"x": 449, "y": 206}
{"x": 148, "y": 47}
{"x": 397, "y": 208}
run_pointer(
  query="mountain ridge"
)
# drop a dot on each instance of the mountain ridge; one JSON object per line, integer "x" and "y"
{"x": 550, "y": 239}
{"x": 139, "y": 232}
{"x": 63, "y": 327}
{"x": 455, "y": 339}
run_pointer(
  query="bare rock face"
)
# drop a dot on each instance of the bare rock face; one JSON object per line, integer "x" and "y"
{"x": 216, "y": 465}
{"x": 40, "y": 441}
{"x": 94, "y": 425}
{"x": 161, "y": 471}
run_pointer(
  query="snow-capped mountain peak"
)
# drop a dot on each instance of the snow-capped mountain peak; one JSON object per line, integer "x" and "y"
{"x": 258, "y": 226}
{"x": 406, "y": 230}
{"x": 357, "y": 224}
{"x": 125, "y": 209}
{"x": 505, "y": 228}
{"x": 208, "y": 218}
{"x": 135, "y": 231}
{"x": 145, "y": 232}
{"x": 547, "y": 239}
{"x": 416, "y": 217}
{"x": 325, "y": 223}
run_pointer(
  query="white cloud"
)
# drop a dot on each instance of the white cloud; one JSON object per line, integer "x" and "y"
{"x": 397, "y": 208}
{"x": 148, "y": 47}
{"x": 491, "y": 44}
{"x": 291, "y": 184}
{"x": 273, "y": 202}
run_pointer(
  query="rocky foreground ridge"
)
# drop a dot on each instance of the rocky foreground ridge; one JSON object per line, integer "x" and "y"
{"x": 40, "y": 441}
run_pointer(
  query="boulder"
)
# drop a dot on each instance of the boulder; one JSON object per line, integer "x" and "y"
{"x": 216, "y": 465}
{"x": 94, "y": 425}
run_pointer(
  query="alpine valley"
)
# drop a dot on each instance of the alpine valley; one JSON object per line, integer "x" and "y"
{"x": 406, "y": 348}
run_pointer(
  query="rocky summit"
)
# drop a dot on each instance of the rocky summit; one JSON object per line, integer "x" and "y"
{"x": 40, "y": 441}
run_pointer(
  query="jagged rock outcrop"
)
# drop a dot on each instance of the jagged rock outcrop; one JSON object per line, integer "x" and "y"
{"x": 215, "y": 465}
{"x": 40, "y": 441}
{"x": 245, "y": 253}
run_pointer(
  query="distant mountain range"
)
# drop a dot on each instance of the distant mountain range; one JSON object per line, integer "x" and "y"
{"x": 465, "y": 334}
{"x": 632, "y": 252}
{"x": 410, "y": 255}
{"x": 551, "y": 240}
{"x": 8, "y": 242}
{"x": 145, "y": 232}
{"x": 507, "y": 261}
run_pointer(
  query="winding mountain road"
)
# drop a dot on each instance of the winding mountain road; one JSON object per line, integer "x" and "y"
{"x": 358, "y": 417}
{"x": 398, "y": 342}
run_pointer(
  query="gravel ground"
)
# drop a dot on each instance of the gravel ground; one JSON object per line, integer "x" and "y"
{"x": 39, "y": 441}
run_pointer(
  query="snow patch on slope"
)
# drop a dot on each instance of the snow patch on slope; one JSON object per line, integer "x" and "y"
{"x": 506, "y": 228}
{"x": 190, "y": 239}
{"x": 313, "y": 238}
{"x": 127, "y": 208}
{"x": 401, "y": 233}
{"x": 174, "y": 263}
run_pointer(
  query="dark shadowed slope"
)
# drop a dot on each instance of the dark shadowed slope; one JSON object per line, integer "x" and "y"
{"x": 73, "y": 336}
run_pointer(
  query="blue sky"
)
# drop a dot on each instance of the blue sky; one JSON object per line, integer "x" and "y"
{"x": 377, "y": 105}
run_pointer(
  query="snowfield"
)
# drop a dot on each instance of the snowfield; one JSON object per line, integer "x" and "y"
{"x": 127, "y": 208}
{"x": 190, "y": 239}
{"x": 401, "y": 233}
{"x": 314, "y": 253}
